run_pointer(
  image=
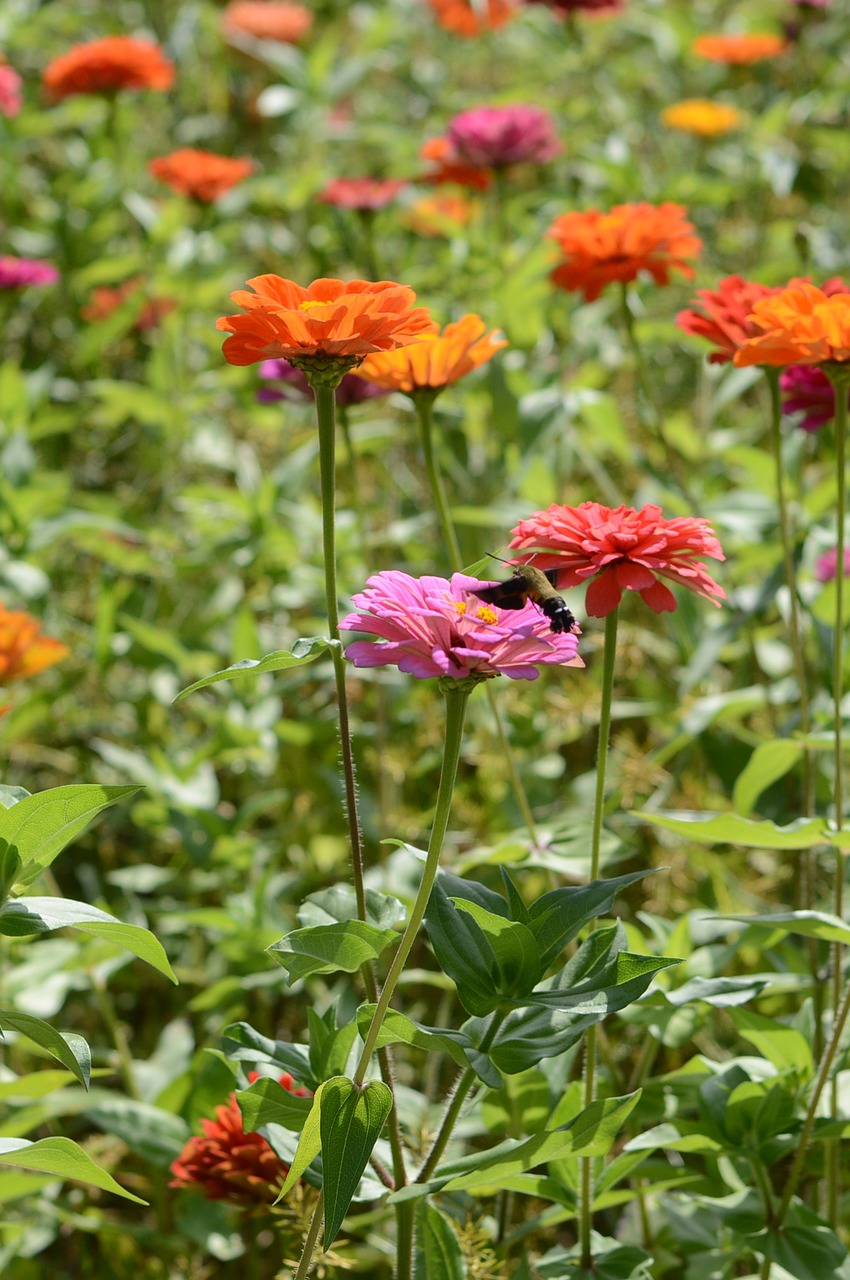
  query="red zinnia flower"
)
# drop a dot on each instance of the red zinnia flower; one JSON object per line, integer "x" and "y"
{"x": 447, "y": 166}
{"x": 362, "y": 193}
{"x": 466, "y": 19}
{"x": 201, "y": 175}
{"x": 104, "y": 66}
{"x": 600, "y": 248}
{"x": 724, "y": 315}
{"x": 621, "y": 550}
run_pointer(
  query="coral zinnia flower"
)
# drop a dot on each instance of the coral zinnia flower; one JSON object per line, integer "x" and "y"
{"x": 738, "y": 50}
{"x": 266, "y": 20}
{"x": 702, "y": 117}
{"x": 351, "y": 390}
{"x": 24, "y": 651}
{"x": 447, "y": 166}
{"x": 201, "y": 175}
{"x": 600, "y": 248}
{"x": 432, "y": 627}
{"x": 229, "y": 1164}
{"x": 104, "y": 66}
{"x": 621, "y": 550}
{"x": 469, "y": 19}
{"x": 724, "y": 315}
{"x": 17, "y": 273}
{"x": 808, "y": 390}
{"x": 800, "y": 324}
{"x": 331, "y": 321}
{"x": 435, "y": 362}
{"x": 494, "y": 137}
{"x": 11, "y": 95}
{"x": 362, "y": 193}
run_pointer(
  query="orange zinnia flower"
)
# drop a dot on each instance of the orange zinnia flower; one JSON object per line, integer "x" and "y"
{"x": 798, "y": 325}
{"x": 435, "y": 362}
{"x": 600, "y": 248}
{"x": 447, "y": 166}
{"x": 621, "y": 550}
{"x": 266, "y": 20}
{"x": 202, "y": 175}
{"x": 335, "y": 322}
{"x": 23, "y": 650}
{"x": 724, "y": 315}
{"x": 439, "y": 215}
{"x": 738, "y": 50}
{"x": 702, "y": 117}
{"x": 103, "y": 66}
{"x": 467, "y": 19}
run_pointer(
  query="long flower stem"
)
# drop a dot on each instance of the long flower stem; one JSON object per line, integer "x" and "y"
{"x": 645, "y": 397}
{"x": 608, "y": 656}
{"x": 310, "y": 1240}
{"x": 423, "y": 401}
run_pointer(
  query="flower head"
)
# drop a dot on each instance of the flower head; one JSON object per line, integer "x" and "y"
{"x": 331, "y": 321}
{"x": 435, "y": 362}
{"x": 201, "y": 175}
{"x": 362, "y": 193}
{"x": 104, "y": 300}
{"x": 432, "y": 627}
{"x": 294, "y": 386}
{"x": 24, "y": 651}
{"x": 600, "y": 248}
{"x": 621, "y": 550}
{"x": 800, "y": 324}
{"x": 11, "y": 95}
{"x": 442, "y": 214}
{"x": 702, "y": 117}
{"x": 738, "y": 50}
{"x": 447, "y": 166}
{"x": 104, "y": 66}
{"x": 266, "y": 20}
{"x": 807, "y": 390}
{"x": 227, "y": 1163}
{"x": 723, "y": 315}
{"x": 493, "y": 137}
{"x": 827, "y": 565}
{"x": 18, "y": 273}
{"x": 464, "y": 18}
{"x": 563, "y": 7}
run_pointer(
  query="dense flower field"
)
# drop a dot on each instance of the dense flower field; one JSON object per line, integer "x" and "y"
{"x": 357, "y": 356}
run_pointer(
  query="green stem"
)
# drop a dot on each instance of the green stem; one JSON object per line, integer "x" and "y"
{"x": 119, "y": 1039}
{"x": 608, "y": 656}
{"x": 310, "y": 1240}
{"x": 645, "y": 398}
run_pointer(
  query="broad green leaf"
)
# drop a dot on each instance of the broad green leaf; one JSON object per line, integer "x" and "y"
{"x": 720, "y": 992}
{"x": 241, "y": 1043}
{"x": 731, "y": 828}
{"x": 305, "y": 650}
{"x": 396, "y": 1028}
{"x": 339, "y": 903}
{"x": 784, "y": 1046}
{"x": 667, "y": 1137}
{"x": 151, "y": 1133}
{"x": 620, "y": 1262}
{"x": 72, "y": 1051}
{"x": 561, "y": 914}
{"x": 329, "y": 948}
{"x": 62, "y": 1157}
{"x": 438, "y": 1252}
{"x": 513, "y": 945}
{"x": 40, "y": 826}
{"x": 805, "y": 1252}
{"x": 36, "y": 1084}
{"x": 309, "y": 1144}
{"x": 463, "y": 952}
{"x": 24, "y": 916}
{"x": 769, "y": 762}
{"x": 352, "y": 1117}
{"x": 267, "y": 1102}
{"x": 810, "y": 924}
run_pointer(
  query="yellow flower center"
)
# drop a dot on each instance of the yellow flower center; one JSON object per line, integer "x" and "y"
{"x": 460, "y": 607}
{"x": 485, "y": 614}
{"x": 312, "y": 302}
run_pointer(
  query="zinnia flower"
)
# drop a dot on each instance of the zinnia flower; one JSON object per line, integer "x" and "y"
{"x": 465, "y": 18}
{"x": 439, "y": 215}
{"x": 330, "y": 323}
{"x": 229, "y": 1164}
{"x": 362, "y": 193}
{"x": 702, "y": 117}
{"x": 432, "y": 627}
{"x": 104, "y": 66}
{"x": 435, "y": 362}
{"x": 104, "y": 300}
{"x": 351, "y": 390}
{"x": 18, "y": 273}
{"x": 800, "y": 324}
{"x": 808, "y": 390}
{"x": 724, "y": 315}
{"x": 11, "y": 96}
{"x": 201, "y": 175}
{"x": 621, "y": 550}
{"x": 600, "y": 248}
{"x": 447, "y": 166}
{"x": 24, "y": 651}
{"x": 738, "y": 50}
{"x": 563, "y": 7}
{"x": 493, "y": 137}
{"x": 266, "y": 20}
{"x": 827, "y": 564}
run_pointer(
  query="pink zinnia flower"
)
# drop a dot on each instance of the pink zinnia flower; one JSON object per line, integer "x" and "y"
{"x": 563, "y": 7}
{"x": 362, "y": 193}
{"x": 432, "y": 627}
{"x": 11, "y": 97}
{"x": 493, "y": 137}
{"x": 621, "y": 550}
{"x": 827, "y": 564}
{"x": 295, "y": 386}
{"x": 808, "y": 390}
{"x": 17, "y": 273}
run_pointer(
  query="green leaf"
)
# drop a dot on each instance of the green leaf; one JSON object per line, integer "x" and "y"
{"x": 40, "y": 826}
{"x": 309, "y": 1144}
{"x": 668, "y": 1137}
{"x": 267, "y": 1102}
{"x": 560, "y": 915}
{"x": 720, "y": 992}
{"x": 769, "y": 762}
{"x": 730, "y": 828}
{"x": 396, "y": 1028}
{"x": 784, "y": 1046}
{"x": 24, "y": 916}
{"x": 810, "y": 924}
{"x": 619, "y": 1262}
{"x": 512, "y": 944}
{"x": 438, "y": 1252}
{"x": 242, "y": 1043}
{"x": 329, "y": 948}
{"x": 62, "y": 1157}
{"x": 463, "y": 952}
{"x": 339, "y": 903}
{"x": 72, "y": 1051}
{"x": 305, "y": 650}
{"x": 805, "y": 1252}
{"x": 352, "y": 1117}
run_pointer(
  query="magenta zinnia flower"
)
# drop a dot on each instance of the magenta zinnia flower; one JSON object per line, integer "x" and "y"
{"x": 432, "y": 627}
{"x": 295, "y": 386}
{"x": 16, "y": 273}
{"x": 11, "y": 96}
{"x": 807, "y": 390}
{"x": 493, "y": 137}
{"x": 827, "y": 564}
{"x": 369, "y": 194}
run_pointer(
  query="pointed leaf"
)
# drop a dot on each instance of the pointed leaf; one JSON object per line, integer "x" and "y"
{"x": 267, "y": 1102}
{"x": 784, "y": 1046}
{"x": 24, "y": 916}
{"x": 769, "y": 762}
{"x": 305, "y": 650}
{"x": 513, "y": 945}
{"x": 396, "y": 1028}
{"x": 463, "y": 952}
{"x": 339, "y": 903}
{"x": 329, "y": 948}
{"x": 72, "y": 1051}
{"x": 352, "y": 1117}
{"x": 810, "y": 924}
{"x": 438, "y": 1252}
{"x": 40, "y": 826}
{"x": 309, "y": 1144}
{"x": 62, "y": 1157}
{"x": 730, "y": 828}
{"x": 560, "y": 915}
{"x": 806, "y": 1252}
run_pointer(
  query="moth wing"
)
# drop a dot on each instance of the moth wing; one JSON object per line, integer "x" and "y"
{"x": 504, "y": 594}
{"x": 551, "y": 575}
{"x": 488, "y": 592}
